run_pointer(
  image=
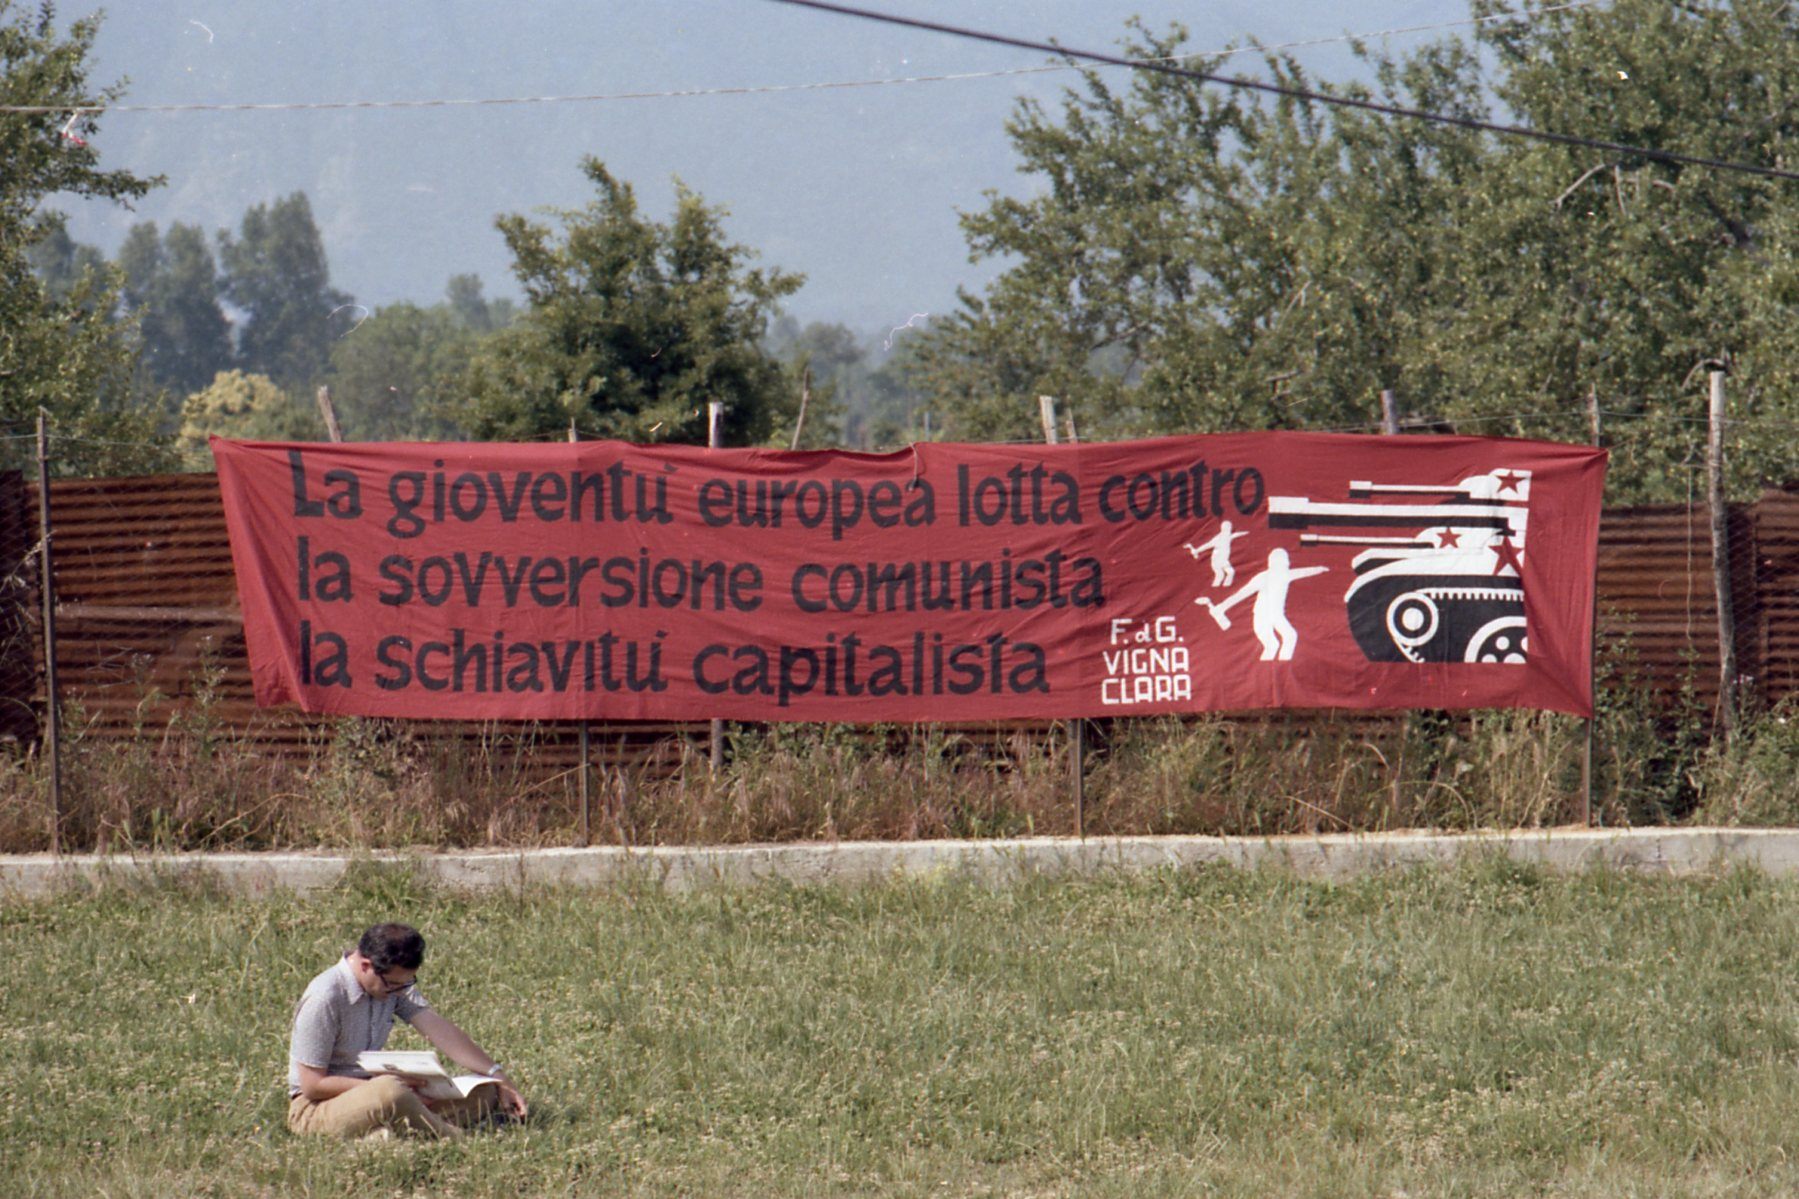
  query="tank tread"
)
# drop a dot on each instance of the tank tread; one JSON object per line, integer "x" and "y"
{"x": 1470, "y": 593}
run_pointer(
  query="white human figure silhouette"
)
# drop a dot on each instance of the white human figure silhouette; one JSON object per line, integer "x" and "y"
{"x": 1269, "y": 616}
{"x": 1223, "y": 573}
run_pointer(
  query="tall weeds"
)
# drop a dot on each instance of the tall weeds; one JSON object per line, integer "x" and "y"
{"x": 196, "y": 782}
{"x": 1753, "y": 779}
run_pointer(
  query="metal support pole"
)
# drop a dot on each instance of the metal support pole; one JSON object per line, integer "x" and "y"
{"x": 1586, "y": 752}
{"x": 715, "y": 437}
{"x": 1078, "y": 767}
{"x": 1389, "y": 424}
{"x": 625, "y": 792}
{"x": 1080, "y": 725}
{"x": 47, "y": 592}
{"x": 584, "y": 837}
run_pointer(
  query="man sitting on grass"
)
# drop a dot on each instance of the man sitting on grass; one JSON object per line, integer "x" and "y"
{"x": 348, "y": 1010}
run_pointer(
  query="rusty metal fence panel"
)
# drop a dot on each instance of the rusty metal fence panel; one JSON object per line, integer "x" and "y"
{"x": 1773, "y": 558}
{"x": 148, "y": 620}
{"x": 1657, "y": 603}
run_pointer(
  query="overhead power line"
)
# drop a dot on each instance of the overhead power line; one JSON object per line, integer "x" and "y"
{"x": 755, "y": 89}
{"x": 1296, "y": 93}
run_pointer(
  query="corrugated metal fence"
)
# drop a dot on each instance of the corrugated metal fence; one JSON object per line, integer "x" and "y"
{"x": 148, "y": 620}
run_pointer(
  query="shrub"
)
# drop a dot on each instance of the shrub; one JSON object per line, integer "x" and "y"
{"x": 1753, "y": 779}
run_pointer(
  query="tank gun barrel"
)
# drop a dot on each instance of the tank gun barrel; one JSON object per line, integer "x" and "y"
{"x": 1358, "y": 488}
{"x": 1497, "y": 487}
{"x": 1297, "y": 512}
{"x": 1332, "y": 539}
{"x": 1362, "y": 489}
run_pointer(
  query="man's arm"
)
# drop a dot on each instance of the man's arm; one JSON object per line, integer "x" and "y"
{"x": 453, "y": 1042}
{"x": 314, "y": 1036}
{"x": 460, "y": 1048}
{"x": 319, "y": 1086}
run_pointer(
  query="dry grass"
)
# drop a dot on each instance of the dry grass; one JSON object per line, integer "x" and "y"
{"x": 199, "y": 784}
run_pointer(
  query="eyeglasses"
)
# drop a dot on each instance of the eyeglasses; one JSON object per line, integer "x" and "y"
{"x": 393, "y": 986}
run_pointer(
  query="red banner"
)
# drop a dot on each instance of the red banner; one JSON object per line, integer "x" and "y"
{"x": 944, "y": 582}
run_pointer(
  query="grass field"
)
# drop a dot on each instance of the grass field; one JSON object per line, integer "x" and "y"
{"x": 1488, "y": 1030}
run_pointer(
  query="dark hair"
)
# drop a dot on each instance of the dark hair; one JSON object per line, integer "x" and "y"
{"x": 392, "y": 947}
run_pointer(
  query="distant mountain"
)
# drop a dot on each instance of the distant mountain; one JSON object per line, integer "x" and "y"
{"x": 858, "y": 188}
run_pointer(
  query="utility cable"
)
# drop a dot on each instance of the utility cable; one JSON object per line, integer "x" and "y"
{"x": 1295, "y": 93}
{"x": 93, "y": 110}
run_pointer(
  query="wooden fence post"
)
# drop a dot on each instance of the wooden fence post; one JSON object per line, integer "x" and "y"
{"x": 329, "y": 412}
{"x": 1720, "y": 520}
{"x": 1077, "y": 728}
{"x": 799, "y": 422}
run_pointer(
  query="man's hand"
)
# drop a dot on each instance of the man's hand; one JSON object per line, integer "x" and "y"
{"x": 452, "y": 1041}
{"x": 511, "y": 1102}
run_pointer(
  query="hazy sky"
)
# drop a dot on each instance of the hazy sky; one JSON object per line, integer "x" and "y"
{"x": 857, "y": 188}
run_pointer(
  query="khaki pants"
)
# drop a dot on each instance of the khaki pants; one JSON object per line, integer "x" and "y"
{"x": 386, "y": 1103}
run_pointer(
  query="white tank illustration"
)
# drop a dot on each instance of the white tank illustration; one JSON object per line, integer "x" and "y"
{"x": 1446, "y": 585}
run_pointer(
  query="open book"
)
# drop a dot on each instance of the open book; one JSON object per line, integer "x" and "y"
{"x": 423, "y": 1064}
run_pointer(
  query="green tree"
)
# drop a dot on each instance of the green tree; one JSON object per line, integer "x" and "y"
{"x": 60, "y": 350}
{"x": 890, "y": 409}
{"x": 240, "y": 405}
{"x": 59, "y": 261}
{"x": 1618, "y": 277}
{"x": 1199, "y": 258}
{"x": 475, "y": 311}
{"x": 172, "y": 286}
{"x": 631, "y": 326}
{"x": 398, "y": 376}
{"x": 277, "y": 275}
{"x": 832, "y": 362}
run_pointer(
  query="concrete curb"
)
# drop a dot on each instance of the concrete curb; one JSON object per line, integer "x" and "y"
{"x": 1661, "y": 850}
